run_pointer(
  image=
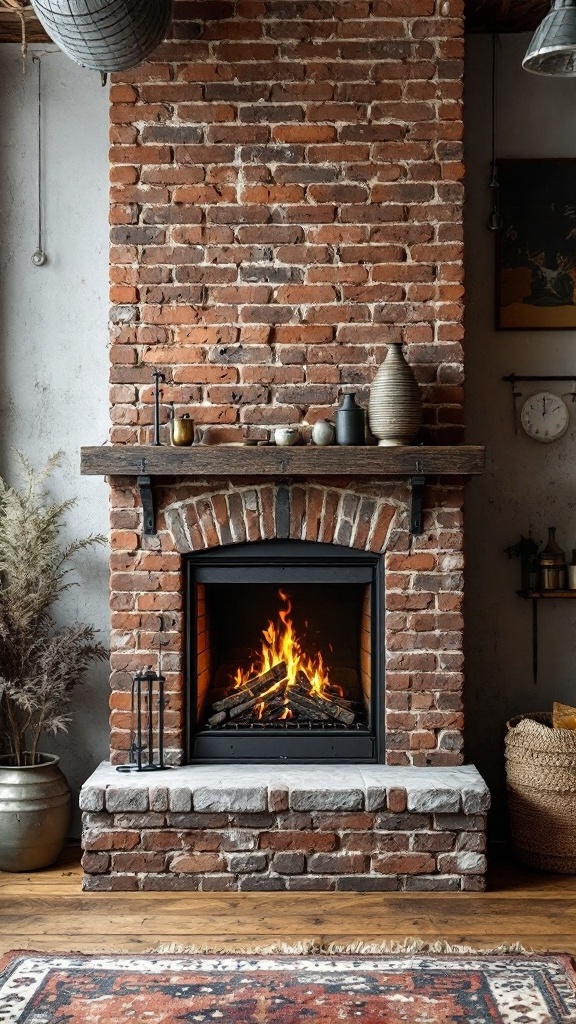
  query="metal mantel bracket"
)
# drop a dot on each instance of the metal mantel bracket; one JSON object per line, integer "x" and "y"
{"x": 417, "y": 484}
{"x": 147, "y": 499}
{"x": 417, "y": 488}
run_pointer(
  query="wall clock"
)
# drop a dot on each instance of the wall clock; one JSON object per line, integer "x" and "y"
{"x": 545, "y": 417}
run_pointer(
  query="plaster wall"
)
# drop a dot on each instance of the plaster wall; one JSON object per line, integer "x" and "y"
{"x": 53, "y": 330}
{"x": 527, "y": 484}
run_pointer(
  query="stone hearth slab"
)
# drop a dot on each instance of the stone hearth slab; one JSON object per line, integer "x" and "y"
{"x": 300, "y": 828}
{"x": 263, "y": 787}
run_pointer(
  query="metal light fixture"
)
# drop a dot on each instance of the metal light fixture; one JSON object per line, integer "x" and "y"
{"x": 552, "y": 50}
{"x": 39, "y": 256}
{"x": 105, "y": 35}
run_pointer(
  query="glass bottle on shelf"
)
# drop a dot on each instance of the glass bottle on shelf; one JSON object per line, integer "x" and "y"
{"x": 552, "y": 564}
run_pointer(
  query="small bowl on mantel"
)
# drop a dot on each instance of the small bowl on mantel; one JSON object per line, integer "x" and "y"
{"x": 287, "y": 436}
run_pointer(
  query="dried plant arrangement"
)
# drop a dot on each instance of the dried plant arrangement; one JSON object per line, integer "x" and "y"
{"x": 40, "y": 663}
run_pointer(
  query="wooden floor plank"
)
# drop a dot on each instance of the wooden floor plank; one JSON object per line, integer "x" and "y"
{"x": 395, "y": 918}
{"x": 47, "y": 911}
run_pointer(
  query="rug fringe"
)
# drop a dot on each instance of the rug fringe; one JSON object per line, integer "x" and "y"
{"x": 322, "y": 948}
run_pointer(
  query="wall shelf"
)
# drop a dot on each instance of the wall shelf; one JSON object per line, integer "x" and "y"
{"x": 536, "y": 595}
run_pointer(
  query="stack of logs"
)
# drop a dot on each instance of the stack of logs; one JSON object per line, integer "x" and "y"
{"x": 280, "y": 701}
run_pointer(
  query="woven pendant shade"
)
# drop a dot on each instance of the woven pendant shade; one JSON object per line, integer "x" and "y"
{"x": 105, "y": 35}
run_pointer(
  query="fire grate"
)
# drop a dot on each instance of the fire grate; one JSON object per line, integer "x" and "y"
{"x": 289, "y": 724}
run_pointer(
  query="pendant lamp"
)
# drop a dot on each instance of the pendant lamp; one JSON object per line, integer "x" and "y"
{"x": 105, "y": 35}
{"x": 552, "y": 50}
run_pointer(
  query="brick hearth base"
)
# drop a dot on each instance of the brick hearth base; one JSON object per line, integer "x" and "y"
{"x": 300, "y": 827}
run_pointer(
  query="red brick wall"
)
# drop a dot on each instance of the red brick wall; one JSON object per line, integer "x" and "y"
{"x": 286, "y": 198}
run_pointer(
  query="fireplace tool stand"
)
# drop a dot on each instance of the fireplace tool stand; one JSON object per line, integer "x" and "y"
{"x": 145, "y": 692}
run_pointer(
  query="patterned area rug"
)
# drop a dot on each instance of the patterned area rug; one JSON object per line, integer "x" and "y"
{"x": 39, "y": 988}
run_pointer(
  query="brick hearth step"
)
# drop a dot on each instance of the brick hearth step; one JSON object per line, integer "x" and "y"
{"x": 298, "y": 827}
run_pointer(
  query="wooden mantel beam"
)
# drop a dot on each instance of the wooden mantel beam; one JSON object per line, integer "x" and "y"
{"x": 199, "y": 462}
{"x": 222, "y": 460}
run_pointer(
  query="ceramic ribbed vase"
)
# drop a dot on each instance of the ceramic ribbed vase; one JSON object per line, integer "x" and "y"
{"x": 395, "y": 407}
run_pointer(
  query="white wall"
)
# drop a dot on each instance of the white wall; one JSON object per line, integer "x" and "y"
{"x": 53, "y": 330}
{"x": 526, "y": 483}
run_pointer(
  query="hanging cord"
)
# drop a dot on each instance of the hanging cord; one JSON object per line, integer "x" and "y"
{"x": 494, "y": 221}
{"x": 39, "y": 257}
{"x": 16, "y": 7}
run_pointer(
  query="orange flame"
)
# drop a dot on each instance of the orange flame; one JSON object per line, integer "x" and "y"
{"x": 281, "y": 644}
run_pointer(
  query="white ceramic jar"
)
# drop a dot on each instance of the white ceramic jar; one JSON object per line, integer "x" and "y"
{"x": 284, "y": 436}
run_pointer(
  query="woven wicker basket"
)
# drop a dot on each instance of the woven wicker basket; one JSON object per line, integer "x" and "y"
{"x": 541, "y": 781}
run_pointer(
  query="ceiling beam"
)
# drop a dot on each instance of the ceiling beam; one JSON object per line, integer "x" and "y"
{"x": 505, "y": 15}
{"x": 481, "y": 16}
{"x": 11, "y": 28}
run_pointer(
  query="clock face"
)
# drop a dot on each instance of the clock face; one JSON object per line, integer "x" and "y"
{"x": 545, "y": 417}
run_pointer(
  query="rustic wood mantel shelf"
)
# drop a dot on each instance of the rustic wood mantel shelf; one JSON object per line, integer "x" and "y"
{"x": 220, "y": 460}
{"x": 300, "y": 460}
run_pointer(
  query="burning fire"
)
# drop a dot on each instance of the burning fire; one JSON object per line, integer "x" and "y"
{"x": 282, "y": 645}
{"x": 284, "y": 684}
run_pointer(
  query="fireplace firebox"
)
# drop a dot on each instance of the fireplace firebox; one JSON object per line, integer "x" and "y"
{"x": 284, "y": 654}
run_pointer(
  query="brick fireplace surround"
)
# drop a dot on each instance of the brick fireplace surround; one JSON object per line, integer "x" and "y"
{"x": 286, "y": 198}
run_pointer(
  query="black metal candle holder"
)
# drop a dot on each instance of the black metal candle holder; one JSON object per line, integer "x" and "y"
{"x": 157, "y": 376}
{"x": 144, "y": 690}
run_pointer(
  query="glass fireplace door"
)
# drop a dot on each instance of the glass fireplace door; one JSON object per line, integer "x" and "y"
{"x": 284, "y": 661}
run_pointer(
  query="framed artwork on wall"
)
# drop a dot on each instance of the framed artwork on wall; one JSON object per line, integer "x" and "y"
{"x": 536, "y": 245}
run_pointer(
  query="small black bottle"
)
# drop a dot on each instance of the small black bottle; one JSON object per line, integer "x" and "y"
{"x": 350, "y": 421}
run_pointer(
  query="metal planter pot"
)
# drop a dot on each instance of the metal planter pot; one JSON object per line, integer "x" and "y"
{"x": 34, "y": 814}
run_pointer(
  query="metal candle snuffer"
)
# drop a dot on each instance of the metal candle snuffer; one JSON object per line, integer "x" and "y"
{"x": 157, "y": 376}
{"x": 181, "y": 427}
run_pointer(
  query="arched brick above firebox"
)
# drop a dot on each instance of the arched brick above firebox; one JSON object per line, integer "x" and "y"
{"x": 313, "y": 512}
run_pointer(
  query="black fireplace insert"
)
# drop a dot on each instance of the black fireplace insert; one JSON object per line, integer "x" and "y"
{"x": 284, "y": 654}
